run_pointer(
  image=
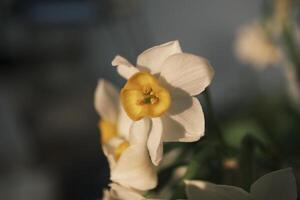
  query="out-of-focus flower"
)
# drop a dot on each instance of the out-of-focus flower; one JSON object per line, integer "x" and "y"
{"x": 118, "y": 192}
{"x": 253, "y": 46}
{"x": 127, "y": 153}
{"x": 161, "y": 90}
{"x": 277, "y": 185}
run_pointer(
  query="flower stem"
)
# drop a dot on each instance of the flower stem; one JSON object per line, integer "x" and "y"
{"x": 212, "y": 118}
{"x": 247, "y": 161}
{"x": 290, "y": 48}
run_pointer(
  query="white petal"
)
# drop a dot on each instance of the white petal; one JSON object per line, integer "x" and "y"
{"x": 155, "y": 141}
{"x": 109, "y": 149}
{"x": 191, "y": 119}
{"x": 107, "y": 101}
{"x": 189, "y": 72}
{"x": 124, "y": 123}
{"x": 122, "y": 193}
{"x": 139, "y": 131}
{"x": 134, "y": 169}
{"x": 107, "y": 195}
{"x": 110, "y": 157}
{"x": 152, "y": 58}
{"x": 277, "y": 185}
{"x": 203, "y": 190}
{"x": 173, "y": 131}
{"x": 124, "y": 67}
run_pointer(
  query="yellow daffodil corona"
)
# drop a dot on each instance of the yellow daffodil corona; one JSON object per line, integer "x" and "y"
{"x": 142, "y": 96}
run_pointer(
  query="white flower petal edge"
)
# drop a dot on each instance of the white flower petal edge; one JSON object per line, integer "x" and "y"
{"x": 188, "y": 72}
{"x": 139, "y": 131}
{"x": 107, "y": 101}
{"x": 204, "y": 190}
{"x": 191, "y": 119}
{"x": 107, "y": 105}
{"x": 110, "y": 158}
{"x": 155, "y": 141}
{"x": 121, "y": 193}
{"x": 277, "y": 185}
{"x": 153, "y": 58}
{"x": 124, "y": 67}
{"x": 134, "y": 168}
{"x": 124, "y": 123}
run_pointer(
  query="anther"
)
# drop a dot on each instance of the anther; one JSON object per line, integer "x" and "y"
{"x": 154, "y": 100}
{"x": 147, "y": 90}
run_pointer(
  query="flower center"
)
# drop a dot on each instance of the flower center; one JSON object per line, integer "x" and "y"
{"x": 149, "y": 97}
{"x": 108, "y": 130}
{"x": 143, "y": 96}
{"x": 120, "y": 149}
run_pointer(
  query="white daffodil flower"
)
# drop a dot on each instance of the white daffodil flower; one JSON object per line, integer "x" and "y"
{"x": 161, "y": 89}
{"x": 127, "y": 154}
{"x": 118, "y": 192}
{"x": 253, "y": 46}
{"x": 277, "y": 185}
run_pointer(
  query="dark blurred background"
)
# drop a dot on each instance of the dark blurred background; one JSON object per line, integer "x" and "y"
{"x": 52, "y": 52}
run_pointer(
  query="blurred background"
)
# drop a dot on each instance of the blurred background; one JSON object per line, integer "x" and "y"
{"x": 52, "y": 53}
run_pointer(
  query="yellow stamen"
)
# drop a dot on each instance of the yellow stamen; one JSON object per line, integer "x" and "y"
{"x": 154, "y": 100}
{"x": 147, "y": 90}
{"x": 120, "y": 149}
{"x": 142, "y": 96}
{"x": 108, "y": 130}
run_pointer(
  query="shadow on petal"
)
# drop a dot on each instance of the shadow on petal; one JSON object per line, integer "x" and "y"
{"x": 172, "y": 130}
{"x": 181, "y": 100}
